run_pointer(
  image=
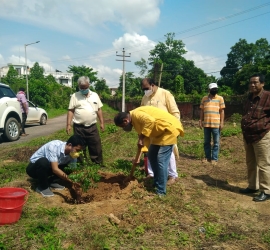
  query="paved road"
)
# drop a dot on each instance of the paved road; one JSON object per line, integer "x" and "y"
{"x": 35, "y": 130}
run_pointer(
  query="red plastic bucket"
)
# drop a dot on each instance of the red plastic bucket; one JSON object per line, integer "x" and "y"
{"x": 12, "y": 200}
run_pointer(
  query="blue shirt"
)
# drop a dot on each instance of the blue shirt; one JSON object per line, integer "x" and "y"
{"x": 54, "y": 151}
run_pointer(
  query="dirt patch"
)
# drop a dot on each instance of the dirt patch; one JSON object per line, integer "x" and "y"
{"x": 110, "y": 186}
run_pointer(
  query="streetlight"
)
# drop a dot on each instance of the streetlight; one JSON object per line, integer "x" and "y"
{"x": 26, "y": 67}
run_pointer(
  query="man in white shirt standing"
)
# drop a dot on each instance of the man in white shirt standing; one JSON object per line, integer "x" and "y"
{"x": 84, "y": 108}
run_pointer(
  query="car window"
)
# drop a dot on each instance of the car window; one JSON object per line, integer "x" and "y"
{"x": 6, "y": 92}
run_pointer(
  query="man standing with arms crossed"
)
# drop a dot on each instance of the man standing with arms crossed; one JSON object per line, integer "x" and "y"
{"x": 255, "y": 126}
{"x": 162, "y": 99}
{"x": 84, "y": 108}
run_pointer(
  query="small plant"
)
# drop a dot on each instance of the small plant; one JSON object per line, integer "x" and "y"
{"x": 266, "y": 237}
{"x": 111, "y": 128}
{"x": 227, "y": 132}
{"x": 85, "y": 176}
{"x": 236, "y": 117}
{"x": 212, "y": 230}
{"x": 125, "y": 166}
{"x": 183, "y": 238}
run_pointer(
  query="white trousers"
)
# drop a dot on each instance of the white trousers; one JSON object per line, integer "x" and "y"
{"x": 172, "y": 172}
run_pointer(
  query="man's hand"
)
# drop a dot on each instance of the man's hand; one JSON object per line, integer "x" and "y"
{"x": 68, "y": 129}
{"x": 221, "y": 126}
{"x": 136, "y": 163}
{"x": 140, "y": 143}
{"x": 76, "y": 185}
{"x": 102, "y": 127}
{"x": 200, "y": 124}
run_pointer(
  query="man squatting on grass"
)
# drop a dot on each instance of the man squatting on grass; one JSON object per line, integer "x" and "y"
{"x": 162, "y": 129}
{"x": 48, "y": 162}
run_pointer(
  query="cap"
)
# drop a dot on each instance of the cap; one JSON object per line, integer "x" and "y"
{"x": 212, "y": 85}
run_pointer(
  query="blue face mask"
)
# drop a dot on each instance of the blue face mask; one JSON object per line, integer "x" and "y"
{"x": 84, "y": 91}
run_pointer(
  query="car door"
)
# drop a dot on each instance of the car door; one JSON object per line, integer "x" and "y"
{"x": 33, "y": 114}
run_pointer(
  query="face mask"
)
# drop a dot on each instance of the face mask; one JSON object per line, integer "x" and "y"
{"x": 148, "y": 92}
{"x": 74, "y": 154}
{"x": 128, "y": 127}
{"x": 84, "y": 91}
{"x": 213, "y": 92}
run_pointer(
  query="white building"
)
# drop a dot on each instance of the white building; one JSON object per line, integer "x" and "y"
{"x": 62, "y": 78}
{"x": 19, "y": 67}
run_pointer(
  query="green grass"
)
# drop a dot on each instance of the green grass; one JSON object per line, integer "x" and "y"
{"x": 52, "y": 113}
{"x": 172, "y": 222}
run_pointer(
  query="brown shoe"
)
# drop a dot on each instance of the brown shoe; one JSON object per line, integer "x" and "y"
{"x": 172, "y": 180}
{"x": 24, "y": 134}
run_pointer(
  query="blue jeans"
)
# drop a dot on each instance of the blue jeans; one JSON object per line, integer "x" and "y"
{"x": 207, "y": 143}
{"x": 159, "y": 157}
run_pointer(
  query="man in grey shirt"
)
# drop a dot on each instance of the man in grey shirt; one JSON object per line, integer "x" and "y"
{"x": 50, "y": 160}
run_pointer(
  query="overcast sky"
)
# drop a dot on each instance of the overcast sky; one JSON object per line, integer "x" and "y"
{"x": 80, "y": 32}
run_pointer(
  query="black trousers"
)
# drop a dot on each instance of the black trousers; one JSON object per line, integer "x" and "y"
{"x": 42, "y": 170}
{"x": 92, "y": 141}
{"x": 24, "y": 117}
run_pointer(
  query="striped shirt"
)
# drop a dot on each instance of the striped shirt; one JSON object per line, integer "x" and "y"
{"x": 211, "y": 110}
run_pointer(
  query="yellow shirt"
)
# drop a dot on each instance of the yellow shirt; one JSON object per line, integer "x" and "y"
{"x": 161, "y": 127}
{"x": 162, "y": 99}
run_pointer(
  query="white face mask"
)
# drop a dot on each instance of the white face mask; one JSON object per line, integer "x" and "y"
{"x": 148, "y": 92}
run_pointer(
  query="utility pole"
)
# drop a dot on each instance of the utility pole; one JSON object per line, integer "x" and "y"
{"x": 124, "y": 60}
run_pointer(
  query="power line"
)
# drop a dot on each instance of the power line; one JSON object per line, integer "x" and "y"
{"x": 107, "y": 52}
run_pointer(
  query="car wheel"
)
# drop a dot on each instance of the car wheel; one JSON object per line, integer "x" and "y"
{"x": 12, "y": 129}
{"x": 43, "y": 119}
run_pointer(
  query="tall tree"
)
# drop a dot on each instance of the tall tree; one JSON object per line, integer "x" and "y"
{"x": 101, "y": 86}
{"x": 244, "y": 60}
{"x": 170, "y": 53}
{"x": 12, "y": 76}
{"x": 142, "y": 65}
{"x": 132, "y": 85}
{"x": 36, "y": 72}
{"x": 79, "y": 71}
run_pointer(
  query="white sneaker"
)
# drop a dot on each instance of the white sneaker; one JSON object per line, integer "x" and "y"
{"x": 46, "y": 192}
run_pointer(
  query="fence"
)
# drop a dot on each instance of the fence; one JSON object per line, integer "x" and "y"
{"x": 188, "y": 110}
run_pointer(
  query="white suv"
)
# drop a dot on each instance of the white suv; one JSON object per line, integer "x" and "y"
{"x": 10, "y": 113}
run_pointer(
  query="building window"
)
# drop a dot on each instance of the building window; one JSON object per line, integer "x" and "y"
{"x": 63, "y": 81}
{"x": 19, "y": 71}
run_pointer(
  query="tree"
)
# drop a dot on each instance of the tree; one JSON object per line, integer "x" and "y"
{"x": 101, "y": 86}
{"x": 244, "y": 60}
{"x": 132, "y": 85}
{"x": 79, "y": 71}
{"x": 170, "y": 53}
{"x": 12, "y": 76}
{"x": 36, "y": 72}
{"x": 142, "y": 64}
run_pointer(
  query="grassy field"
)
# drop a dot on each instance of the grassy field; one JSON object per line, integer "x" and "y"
{"x": 203, "y": 210}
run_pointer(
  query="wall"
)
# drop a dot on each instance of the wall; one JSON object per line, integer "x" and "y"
{"x": 188, "y": 110}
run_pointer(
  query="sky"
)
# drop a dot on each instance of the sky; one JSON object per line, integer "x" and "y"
{"x": 90, "y": 32}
